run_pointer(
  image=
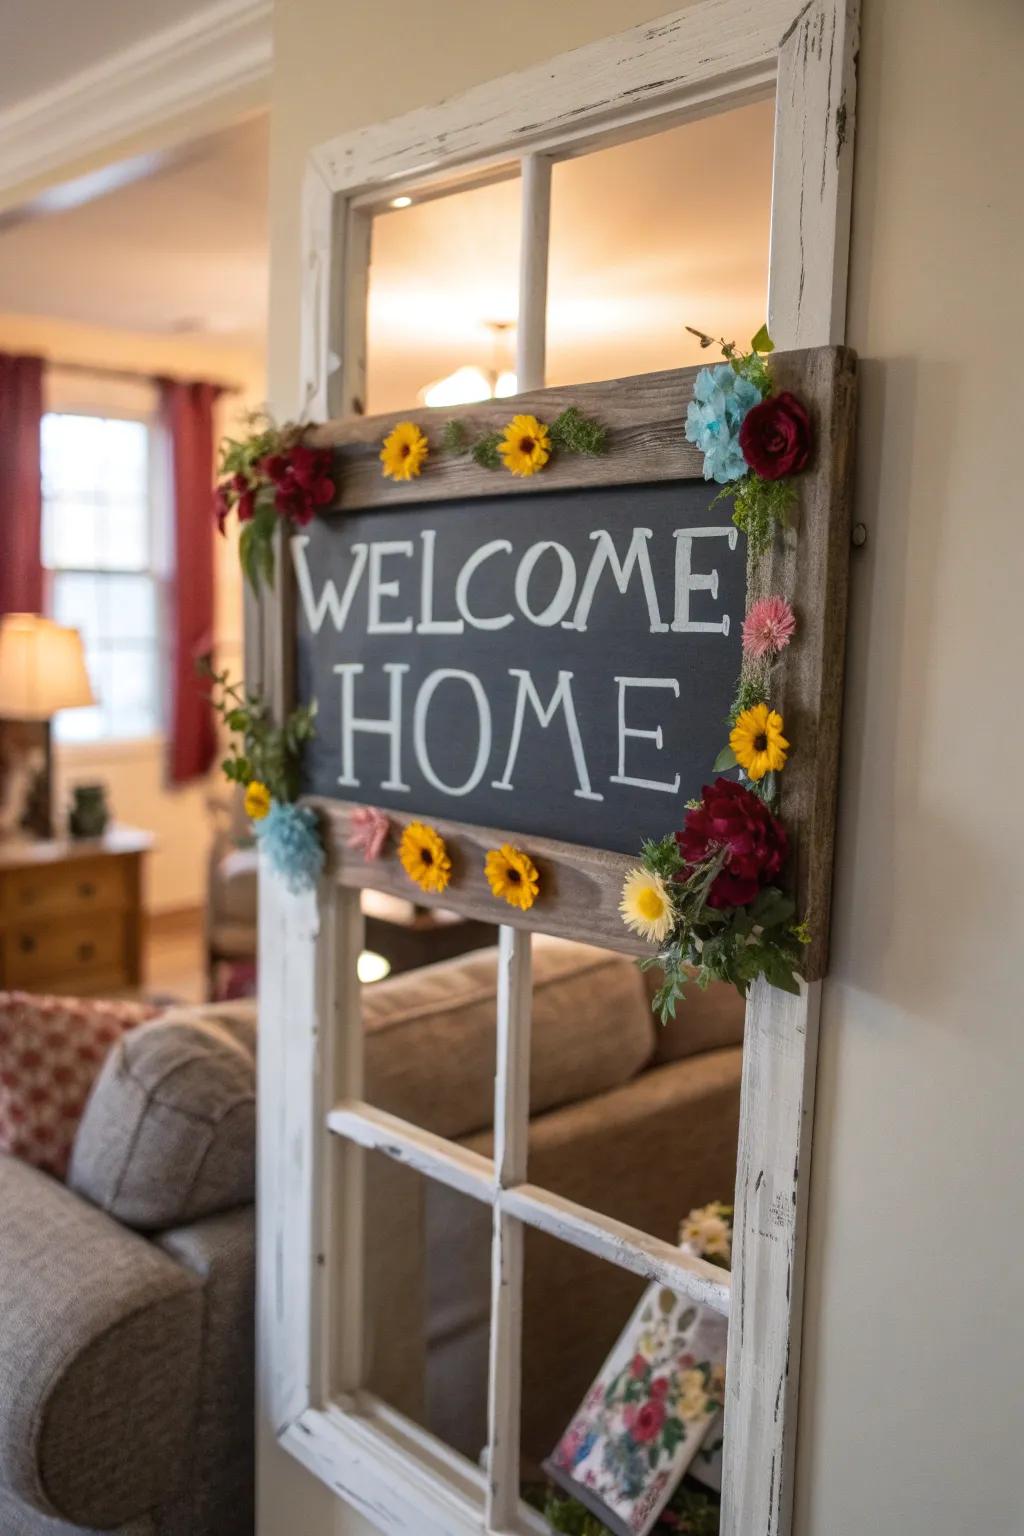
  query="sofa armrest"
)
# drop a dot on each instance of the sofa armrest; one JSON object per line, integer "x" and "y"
{"x": 100, "y": 1338}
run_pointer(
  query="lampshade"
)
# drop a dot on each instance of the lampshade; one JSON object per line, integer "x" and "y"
{"x": 42, "y": 668}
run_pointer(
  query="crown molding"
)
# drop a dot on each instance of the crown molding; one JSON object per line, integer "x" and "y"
{"x": 222, "y": 49}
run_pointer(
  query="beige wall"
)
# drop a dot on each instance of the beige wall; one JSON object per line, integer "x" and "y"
{"x": 134, "y": 771}
{"x": 912, "y": 1382}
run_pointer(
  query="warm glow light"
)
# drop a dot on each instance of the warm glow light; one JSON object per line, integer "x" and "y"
{"x": 42, "y": 668}
{"x": 401, "y": 202}
{"x": 505, "y": 384}
{"x": 372, "y": 967}
{"x": 463, "y": 387}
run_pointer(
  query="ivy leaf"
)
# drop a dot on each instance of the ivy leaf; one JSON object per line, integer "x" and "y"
{"x": 762, "y": 342}
{"x": 725, "y": 760}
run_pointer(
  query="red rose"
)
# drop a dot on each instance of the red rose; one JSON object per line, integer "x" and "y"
{"x": 775, "y": 437}
{"x": 645, "y": 1424}
{"x": 732, "y": 818}
{"x": 638, "y": 1366}
{"x": 246, "y": 506}
{"x": 659, "y": 1387}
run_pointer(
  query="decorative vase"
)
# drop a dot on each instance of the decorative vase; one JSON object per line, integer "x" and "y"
{"x": 89, "y": 812}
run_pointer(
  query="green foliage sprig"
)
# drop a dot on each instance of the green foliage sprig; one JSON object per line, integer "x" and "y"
{"x": 752, "y": 365}
{"x": 733, "y": 944}
{"x": 266, "y": 752}
{"x": 570, "y": 432}
{"x": 692, "y": 1513}
{"x": 759, "y": 508}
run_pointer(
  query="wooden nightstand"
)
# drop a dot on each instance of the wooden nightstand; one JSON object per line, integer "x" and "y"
{"x": 71, "y": 913}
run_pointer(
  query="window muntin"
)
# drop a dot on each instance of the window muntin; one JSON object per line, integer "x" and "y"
{"x": 99, "y": 551}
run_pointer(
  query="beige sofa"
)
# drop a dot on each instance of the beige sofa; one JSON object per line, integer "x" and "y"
{"x": 126, "y": 1299}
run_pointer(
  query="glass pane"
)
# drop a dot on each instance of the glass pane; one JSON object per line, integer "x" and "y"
{"x": 632, "y": 1120}
{"x": 654, "y": 235}
{"x": 623, "y": 1383}
{"x": 123, "y": 469}
{"x": 131, "y": 698}
{"x": 129, "y": 607}
{"x": 125, "y": 535}
{"x": 428, "y": 1308}
{"x": 443, "y": 298}
{"x": 430, "y": 1033}
{"x": 71, "y": 446}
{"x": 76, "y": 603}
{"x": 72, "y": 535}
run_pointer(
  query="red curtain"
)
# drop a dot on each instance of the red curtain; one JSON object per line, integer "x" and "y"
{"x": 21, "y": 496}
{"x": 187, "y": 413}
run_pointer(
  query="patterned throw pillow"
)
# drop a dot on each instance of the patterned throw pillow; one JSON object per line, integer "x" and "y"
{"x": 51, "y": 1050}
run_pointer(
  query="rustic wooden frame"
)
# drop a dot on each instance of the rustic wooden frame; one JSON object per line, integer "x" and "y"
{"x": 314, "y": 1126}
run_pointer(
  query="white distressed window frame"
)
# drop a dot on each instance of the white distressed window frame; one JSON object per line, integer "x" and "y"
{"x": 714, "y": 55}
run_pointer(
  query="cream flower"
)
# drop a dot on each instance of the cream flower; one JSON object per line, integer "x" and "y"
{"x": 692, "y": 1401}
{"x": 646, "y": 905}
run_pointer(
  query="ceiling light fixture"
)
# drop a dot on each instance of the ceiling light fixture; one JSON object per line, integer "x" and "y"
{"x": 470, "y": 384}
{"x": 401, "y": 202}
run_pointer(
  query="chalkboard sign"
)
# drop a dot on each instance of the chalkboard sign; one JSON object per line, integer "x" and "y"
{"x": 559, "y": 664}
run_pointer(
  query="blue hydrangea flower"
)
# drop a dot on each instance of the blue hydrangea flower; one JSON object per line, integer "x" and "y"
{"x": 290, "y": 838}
{"x": 721, "y": 399}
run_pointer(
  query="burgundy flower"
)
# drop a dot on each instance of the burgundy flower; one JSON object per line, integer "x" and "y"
{"x": 645, "y": 1423}
{"x": 729, "y": 817}
{"x": 775, "y": 436}
{"x": 659, "y": 1386}
{"x": 246, "y": 506}
{"x": 638, "y": 1366}
{"x": 302, "y": 480}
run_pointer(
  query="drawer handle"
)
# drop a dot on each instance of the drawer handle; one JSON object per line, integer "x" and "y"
{"x": 86, "y": 951}
{"x": 86, "y": 889}
{"x": 26, "y": 943}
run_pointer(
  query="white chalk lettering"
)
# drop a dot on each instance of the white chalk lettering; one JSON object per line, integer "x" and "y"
{"x": 428, "y": 625}
{"x": 476, "y": 559}
{"x": 638, "y": 557}
{"x": 622, "y": 777}
{"x": 379, "y": 589}
{"x": 688, "y": 581}
{"x": 348, "y": 671}
{"x": 329, "y": 601}
{"x": 419, "y": 728}
{"x": 561, "y": 698}
{"x": 566, "y": 584}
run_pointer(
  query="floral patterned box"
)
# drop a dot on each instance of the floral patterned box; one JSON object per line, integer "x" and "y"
{"x": 646, "y": 1416}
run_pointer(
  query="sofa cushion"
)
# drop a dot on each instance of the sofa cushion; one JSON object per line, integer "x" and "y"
{"x": 168, "y": 1134}
{"x": 704, "y": 1021}
{"x": 51, "y": 1049}
{"x": 430, "y": 1042}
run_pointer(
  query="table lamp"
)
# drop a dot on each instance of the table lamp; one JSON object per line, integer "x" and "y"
{"x": 42, "y": 670}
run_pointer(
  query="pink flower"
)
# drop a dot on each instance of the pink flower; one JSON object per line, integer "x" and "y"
{"x": 368, "y": 832}
{"x": 768, "y": 627}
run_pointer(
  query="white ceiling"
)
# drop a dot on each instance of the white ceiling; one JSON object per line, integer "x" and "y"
{"x": 182, "y": 250}
{"x": 45, "y": 42}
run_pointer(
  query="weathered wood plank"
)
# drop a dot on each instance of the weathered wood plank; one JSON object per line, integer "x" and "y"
{"x": 780, "y": 1048}
{"x": 719, "y": 51}
{"x": 812, "y": 177}
{"x": 619, "y": 1243}
{"x": 445, "y": 1161}
{"x": 579, "y": 893}
{"x": 290, "y": 1362}
{"x": 511, "y": 1144}
{"x": 644, "y": 415}
{"x": 809, "y": 564}
{"x": 531, "y": 326}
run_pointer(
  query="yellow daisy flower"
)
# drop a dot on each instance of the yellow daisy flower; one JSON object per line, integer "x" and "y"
{"x": 403, "y": 451}
{"x": 758, "y": 742}
{"x": 646, "y": 905}
{"x": 527, "y": 446}
{"x": 424, "y": 857}
{"x": 692, "y": 1400}
{"x": 512, "y": 876}
{"x": 257, "y": 800}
